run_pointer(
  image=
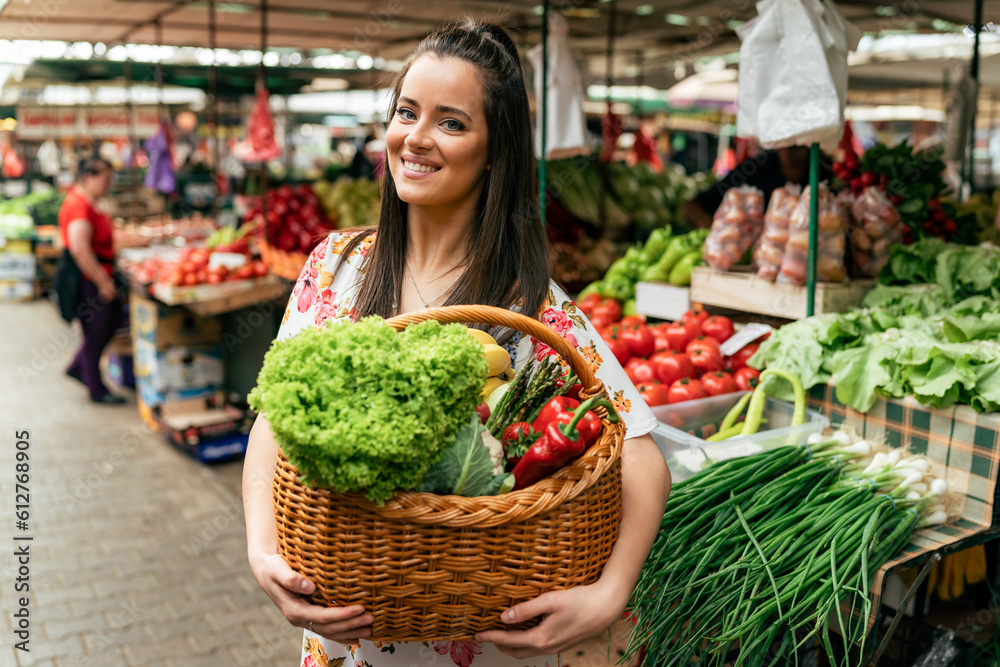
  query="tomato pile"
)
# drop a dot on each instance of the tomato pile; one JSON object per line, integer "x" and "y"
{"x": 672, "y": 362}
{"x": 294, "y": 218}
{"x": 192, "y": 268}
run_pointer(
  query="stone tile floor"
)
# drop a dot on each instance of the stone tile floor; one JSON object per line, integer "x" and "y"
{"x": 137, "y": 555}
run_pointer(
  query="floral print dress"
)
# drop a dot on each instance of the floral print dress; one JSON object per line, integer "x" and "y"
{"x": 316, "y": 298}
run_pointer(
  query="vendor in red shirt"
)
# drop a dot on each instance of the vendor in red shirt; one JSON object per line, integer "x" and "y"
{"x": 89, "y": 234}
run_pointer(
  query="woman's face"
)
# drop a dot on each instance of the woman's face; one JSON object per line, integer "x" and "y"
{"x": 436, "y": 143}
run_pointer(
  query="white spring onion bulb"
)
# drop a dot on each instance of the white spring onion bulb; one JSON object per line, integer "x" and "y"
{"x": 814, "y": 439}
{"x": 878, "y": 461}
{"x": 861, "y": 447}
{"x": 919, "y": 487}
{"x": 912, "y": 478}
{"x": 842, "y": 437}
{"x": 933, "y": 519}
{"x": 915, "y": 464}
{"x": 912, "y": 495}
{"x": 939, "y": 487}
{"x": 894, "y": 457}
{"x": 937, "y": 507}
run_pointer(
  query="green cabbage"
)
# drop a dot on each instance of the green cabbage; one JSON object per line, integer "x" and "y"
{"x": 360, "y": 407}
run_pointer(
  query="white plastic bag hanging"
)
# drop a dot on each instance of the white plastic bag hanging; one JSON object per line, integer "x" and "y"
{"x": 566, "y": 132}
{"x": 793, "y": 73}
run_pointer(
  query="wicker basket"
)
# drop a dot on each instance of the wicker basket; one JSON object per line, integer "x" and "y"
{"x": 445, "y": 567}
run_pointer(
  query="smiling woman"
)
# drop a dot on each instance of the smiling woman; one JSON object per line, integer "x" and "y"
{"x": 458, "y": 224}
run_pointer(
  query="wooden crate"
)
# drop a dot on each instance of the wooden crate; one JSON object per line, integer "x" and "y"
{"x": 743, "y": 290}
{"x": 206, "y": 300}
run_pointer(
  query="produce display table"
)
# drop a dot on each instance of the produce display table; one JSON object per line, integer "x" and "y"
{"x": 741, "y": 289}
{"x": 963, "y": 447}
{"x": 208, "y": 299}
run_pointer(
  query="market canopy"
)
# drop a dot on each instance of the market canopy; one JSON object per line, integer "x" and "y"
{"x": 231, "y": 81}
{"x": 658, "y": 31}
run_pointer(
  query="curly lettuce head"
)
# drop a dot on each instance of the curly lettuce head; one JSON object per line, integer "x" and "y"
{"x": 360, "y": 407}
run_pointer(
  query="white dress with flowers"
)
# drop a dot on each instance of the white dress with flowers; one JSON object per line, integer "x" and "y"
{"x": 316, "y": 298}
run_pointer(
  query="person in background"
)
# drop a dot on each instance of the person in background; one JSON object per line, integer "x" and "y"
{"x": 88, "y": 233}
{"x": 766, "y": 172}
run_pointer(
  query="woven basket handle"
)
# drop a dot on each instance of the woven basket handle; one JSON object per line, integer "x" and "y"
{"x": 501, "y": 317}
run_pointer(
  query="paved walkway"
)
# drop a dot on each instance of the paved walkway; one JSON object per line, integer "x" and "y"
{"x": 138, "y": 553}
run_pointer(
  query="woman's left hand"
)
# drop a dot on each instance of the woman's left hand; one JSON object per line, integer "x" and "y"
{"x": 571, "y": 617}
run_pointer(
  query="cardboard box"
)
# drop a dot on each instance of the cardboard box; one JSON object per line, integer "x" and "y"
{"x": 177, "y": 372}
{"x": 120, "y": 369}
{"x": 17, "y": 290}
{"x": 164, "y": 326}
{"x": 204, "y": 430}
{"x": 17, "y": 266}
{"x": 15, "y": 246}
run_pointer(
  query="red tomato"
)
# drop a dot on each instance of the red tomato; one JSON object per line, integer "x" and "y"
{"x": 706, "y": 361}
{"x": 695, "y": 315}
{"x": 619, "y": 348}
{"x": 717, "y": 383}
{"x": 674, "y": 366}
{"x": 703, "y": 343}
{"x": 609, "y": 307}
{"x": 746, "y": 378}
{"x": 686, "y": 389}
{"x": 588, "y": 303}
{"x": 214, "y": 279}
{"x": 661, "y": 327}
{"x": 739, "y": 360}
{"x": 639, "y": 340}
{"x": 260, "y": 269}
{"x": 633, "y": 321}
{"x": 600, "y": 322}
{"x": 660, "y": 340}
{"x": 188, "y": 279}
{"x": 243, "y": 272}
{"x": 682, "y": 332}
{"x": 718, "y": 327}
{"x": 641, "y": 370}
{"x": 201, "y": 275}
{"x": 653, "y": 393}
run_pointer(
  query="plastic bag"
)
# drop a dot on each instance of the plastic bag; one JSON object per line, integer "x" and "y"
{"x": 874, "y": 229}
{"x": 830, "y": 241}
{"x": 793, "y": 73}
{"x": 736, "y": 225}
{"x": 770, "y": 250}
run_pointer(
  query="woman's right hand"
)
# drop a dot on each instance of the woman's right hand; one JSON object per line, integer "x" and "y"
{"x": 285, "y": 587}
{"x": 107, "y": 290}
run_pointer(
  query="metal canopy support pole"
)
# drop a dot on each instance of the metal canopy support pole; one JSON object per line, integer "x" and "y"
{"x": 262, "y": 85}
{"x": 977, "y": 25}
{"x": 608, "y": 80}
{"x": 213, "y": 108}
{"x": 130, "y": 122}
{"x": 544, "y": 102}
{"x": 158, "y": 69}
{"x": 640, "y": 81}
{"x": 813, "y": 221}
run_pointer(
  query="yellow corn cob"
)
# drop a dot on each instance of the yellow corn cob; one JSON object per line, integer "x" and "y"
{"x": 482, "y": 337}
{"x": 497, "y": 359}
{"x": 943, "y": 589}
{"x": 958, "y": 576}
{"x": 492, "y": 384}
{"x": 975, "y": 570}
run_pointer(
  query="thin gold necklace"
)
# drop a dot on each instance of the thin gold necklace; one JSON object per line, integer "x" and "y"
{"x": 427, "y": 304}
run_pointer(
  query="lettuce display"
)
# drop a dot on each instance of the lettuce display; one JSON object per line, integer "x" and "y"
{"x": 960, "y": 271}
{"x": 905, "y": 341}
{"x": 361, "y": 407}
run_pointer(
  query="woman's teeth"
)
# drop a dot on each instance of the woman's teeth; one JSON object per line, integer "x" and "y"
{"x": 413, "y": 166}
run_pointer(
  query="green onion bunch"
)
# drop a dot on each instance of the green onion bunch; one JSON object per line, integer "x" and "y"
{"x": 757, "y": 555}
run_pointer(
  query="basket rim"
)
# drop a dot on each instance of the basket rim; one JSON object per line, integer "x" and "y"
{"x": 486, "y": 511}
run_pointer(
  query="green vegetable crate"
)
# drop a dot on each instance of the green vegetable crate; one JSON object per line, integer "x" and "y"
{"x": 684, "y": 427}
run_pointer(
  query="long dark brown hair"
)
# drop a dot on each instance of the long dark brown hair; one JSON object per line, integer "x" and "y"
{"x": 507, "y": 260}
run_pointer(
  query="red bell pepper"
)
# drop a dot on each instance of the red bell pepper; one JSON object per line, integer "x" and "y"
{"x": 561, "y": 443}
{"x": 551, "y": 410}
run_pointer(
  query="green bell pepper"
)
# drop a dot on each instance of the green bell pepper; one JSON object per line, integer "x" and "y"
{"x": 628, "y": 308}
{"x": 619, "y": 288}
{"x": 681, "y": 273}
{"x": 655, "y": 274}
{"x": 596, "y": 287}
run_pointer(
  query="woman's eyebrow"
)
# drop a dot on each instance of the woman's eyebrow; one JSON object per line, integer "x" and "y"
{"x": 446, "y": 109}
